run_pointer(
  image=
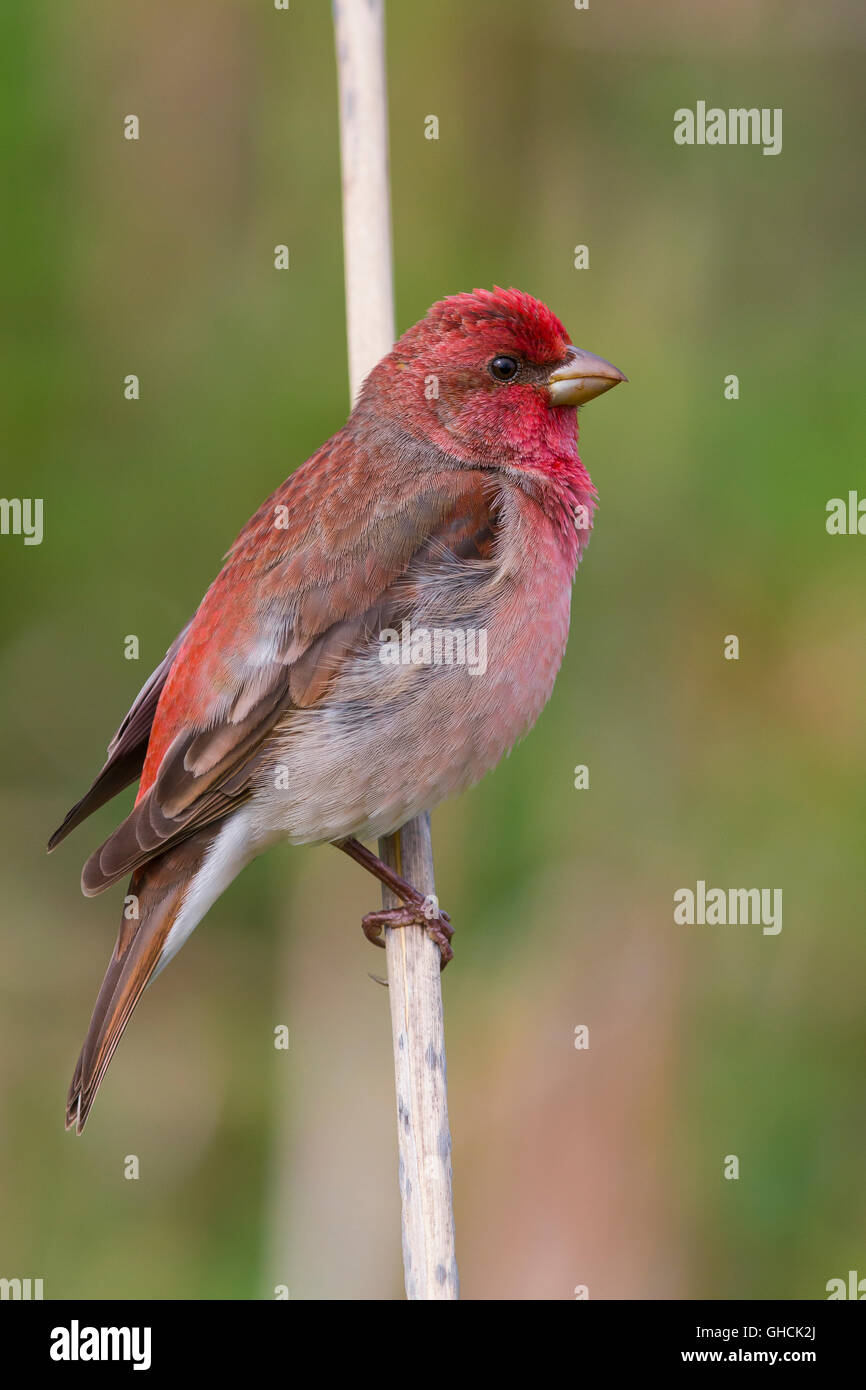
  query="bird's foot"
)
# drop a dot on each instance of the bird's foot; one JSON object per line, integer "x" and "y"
{"x": 415, "y": 911}
{"x": 420, "y": 912}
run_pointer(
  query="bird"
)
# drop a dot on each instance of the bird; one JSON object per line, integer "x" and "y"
{"x": 452, "y": 501}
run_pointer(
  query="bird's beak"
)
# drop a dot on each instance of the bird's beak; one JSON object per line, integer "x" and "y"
{"x": 582, "y": 377}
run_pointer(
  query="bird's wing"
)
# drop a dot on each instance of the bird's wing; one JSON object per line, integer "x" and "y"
{"x": 126, "y": 751}
{"x": 304, "y": 584}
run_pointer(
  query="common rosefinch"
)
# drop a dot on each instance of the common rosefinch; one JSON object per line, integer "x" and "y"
{"x": 453, "y": 499}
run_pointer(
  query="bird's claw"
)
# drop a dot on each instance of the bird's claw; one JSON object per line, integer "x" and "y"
{"x": 424, "y": 913}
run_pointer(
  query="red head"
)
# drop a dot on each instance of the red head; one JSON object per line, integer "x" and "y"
{"x": 493, "y": 379}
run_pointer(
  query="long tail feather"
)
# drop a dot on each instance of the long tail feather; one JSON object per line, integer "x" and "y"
{"x": 159, "y": 889}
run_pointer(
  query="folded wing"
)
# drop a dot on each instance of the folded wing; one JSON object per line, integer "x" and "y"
{"x": 305, "y": 584}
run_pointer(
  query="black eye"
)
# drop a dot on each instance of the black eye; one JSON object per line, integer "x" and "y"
{"x": 504, "y": 368}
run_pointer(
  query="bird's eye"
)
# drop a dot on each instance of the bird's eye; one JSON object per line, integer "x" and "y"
{"x": 504, "y": 368}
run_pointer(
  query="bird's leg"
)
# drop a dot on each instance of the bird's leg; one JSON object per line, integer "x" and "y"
{"x": 417, "y": 910}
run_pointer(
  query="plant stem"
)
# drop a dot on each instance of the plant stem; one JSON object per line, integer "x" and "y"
{"x": 417, "y": 1024}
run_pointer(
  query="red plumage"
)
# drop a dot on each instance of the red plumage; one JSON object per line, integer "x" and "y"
{"x": 453, "y": 499}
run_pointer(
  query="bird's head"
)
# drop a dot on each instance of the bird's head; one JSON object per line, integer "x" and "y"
{"x": 491, "y": 377}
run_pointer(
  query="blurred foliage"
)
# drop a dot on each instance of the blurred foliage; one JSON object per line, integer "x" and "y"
{"x": 601, "y": 1167}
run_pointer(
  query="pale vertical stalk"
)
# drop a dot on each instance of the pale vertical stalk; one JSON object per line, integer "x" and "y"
{"x": 423, "y": 1134}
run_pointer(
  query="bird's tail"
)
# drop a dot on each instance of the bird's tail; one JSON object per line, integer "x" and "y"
{"x": 164, "y": 903}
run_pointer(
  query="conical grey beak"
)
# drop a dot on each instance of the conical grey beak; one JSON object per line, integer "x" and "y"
{"x": 581, "y": 378}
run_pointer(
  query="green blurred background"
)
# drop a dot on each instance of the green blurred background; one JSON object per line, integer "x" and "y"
{"x": 601, "y": 1167}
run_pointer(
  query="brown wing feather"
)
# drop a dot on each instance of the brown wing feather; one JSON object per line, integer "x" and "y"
{"x": 204, "y": 775}
{"x": 206, "y": 772}
{"x": 126, "y": 751}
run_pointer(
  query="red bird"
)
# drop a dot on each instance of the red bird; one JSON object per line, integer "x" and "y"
{"x": 452, "y": 499}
